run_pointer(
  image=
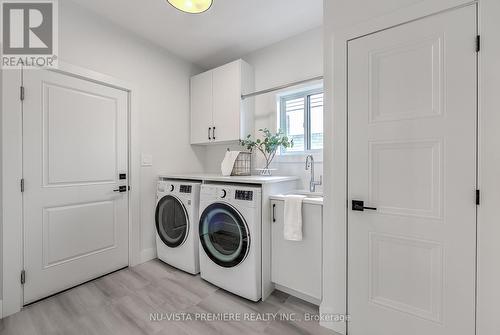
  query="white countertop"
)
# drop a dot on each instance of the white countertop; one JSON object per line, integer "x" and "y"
{"x": 232, "y": 179}
{"x": 311, "y": 201}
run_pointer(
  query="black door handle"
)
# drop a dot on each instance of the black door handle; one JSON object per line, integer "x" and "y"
{"x": 359, "y": 205}
{"x": 121, "y": 189}
{"x": 209, "y": 130}
{"x": 213, "y": 133}
{"x": 274, "y": 212}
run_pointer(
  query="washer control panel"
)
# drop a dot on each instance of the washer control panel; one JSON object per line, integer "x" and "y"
{"x": 243, "y": 195}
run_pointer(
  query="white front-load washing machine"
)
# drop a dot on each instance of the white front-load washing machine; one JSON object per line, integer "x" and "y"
{"x": 176, "y": 216}
{"x": 230, "y": 238}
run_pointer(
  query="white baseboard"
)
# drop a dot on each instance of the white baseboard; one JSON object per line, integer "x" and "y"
{"x": 298, "y": 294}
{"x": 148, "y": 254}
{"x": 338, "y": 327}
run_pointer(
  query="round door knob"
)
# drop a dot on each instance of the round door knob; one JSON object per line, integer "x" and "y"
{"x": 172, "y": 187}
{"x": 223, "y": 194}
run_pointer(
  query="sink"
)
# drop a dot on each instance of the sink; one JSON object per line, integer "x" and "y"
{"x": 307, "y": 193}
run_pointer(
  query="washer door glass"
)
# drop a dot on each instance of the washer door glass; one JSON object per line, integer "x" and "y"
{"x": 224, "y": 235}
{"x": 172, "y": 223}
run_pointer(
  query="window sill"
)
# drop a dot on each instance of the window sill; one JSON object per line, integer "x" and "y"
{"x": 299, "y": 157}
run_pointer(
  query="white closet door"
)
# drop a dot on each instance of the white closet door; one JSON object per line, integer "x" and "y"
{"x": 412, "y": 156}
{"x": 74, "y": 148}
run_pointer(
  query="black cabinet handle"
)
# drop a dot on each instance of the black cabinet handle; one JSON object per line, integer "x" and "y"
{"x": 359, "y": 205}
{"x": 209, "y": 130}
{"x": 213, "y": 133}
{"x": 121, "y": 189}
{"x": 274, "y": 212}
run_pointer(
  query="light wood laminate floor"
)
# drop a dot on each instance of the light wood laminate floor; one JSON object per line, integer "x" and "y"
{"x": 122, "y": 303}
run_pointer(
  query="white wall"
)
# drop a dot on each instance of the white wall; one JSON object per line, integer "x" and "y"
{"x": 162, "y": 80}
{"x": 299, "y": 57}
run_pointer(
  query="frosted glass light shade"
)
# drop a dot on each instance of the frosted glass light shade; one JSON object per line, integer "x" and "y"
{"x": 191, "y": 6}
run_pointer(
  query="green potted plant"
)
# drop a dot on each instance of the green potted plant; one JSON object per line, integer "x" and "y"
{"x": 268, "y": 146}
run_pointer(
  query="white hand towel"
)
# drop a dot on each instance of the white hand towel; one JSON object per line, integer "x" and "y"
{"x": 228, "y": 162}
{"x": 293, "y": 217}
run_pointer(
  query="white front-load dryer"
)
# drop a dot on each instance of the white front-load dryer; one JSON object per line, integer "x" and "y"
{"x": 176, "y": 217}
{"x": 230, "y": 238}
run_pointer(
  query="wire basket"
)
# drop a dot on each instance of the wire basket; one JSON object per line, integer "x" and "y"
{"x": 242, "y": 165}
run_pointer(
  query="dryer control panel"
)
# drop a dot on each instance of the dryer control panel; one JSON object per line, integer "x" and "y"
{"x": 185, "y": 188}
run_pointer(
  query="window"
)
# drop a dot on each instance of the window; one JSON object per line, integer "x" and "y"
{"x": 301, "y": 118}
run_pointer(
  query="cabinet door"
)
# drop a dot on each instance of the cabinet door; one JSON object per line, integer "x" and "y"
{"x": 201, "y": 108}
{"x": 297, "y": 264}
{"x": 227, "y": 101}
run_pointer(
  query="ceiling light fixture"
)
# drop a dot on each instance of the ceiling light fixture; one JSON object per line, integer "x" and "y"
{"x": 191, "y": 6}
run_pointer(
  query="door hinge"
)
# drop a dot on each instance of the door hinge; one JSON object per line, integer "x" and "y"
{"x": 21, "y": 93}
{"x": 22, "y": 185}
{"x": 477, "y": 197}
{"x": 23, "y": 277}
{"x": 478, "y": 43}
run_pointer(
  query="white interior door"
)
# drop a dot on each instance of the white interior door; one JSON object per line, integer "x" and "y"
{"x": 74, "y": 148}
{"x": 412, "y": 156}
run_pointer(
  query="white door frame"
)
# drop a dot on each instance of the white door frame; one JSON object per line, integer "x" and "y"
{"x": 12, "y": 233}
{"x": 335, "y": 145}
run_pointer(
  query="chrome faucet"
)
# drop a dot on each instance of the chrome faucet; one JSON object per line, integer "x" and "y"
{"x": 313, "y": 183}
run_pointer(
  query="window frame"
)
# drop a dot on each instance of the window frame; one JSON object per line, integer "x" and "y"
{"x": 306, "y": 94}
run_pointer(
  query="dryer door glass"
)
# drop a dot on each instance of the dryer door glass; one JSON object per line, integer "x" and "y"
{"x": 224, "y": 235}
{"x": 172, "y": 223}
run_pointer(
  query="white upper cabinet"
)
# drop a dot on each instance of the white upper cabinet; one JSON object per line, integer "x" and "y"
{"x": 218, "y": 114}
{"x": 201, "y": 108}
{"x": 226, "y": 102}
